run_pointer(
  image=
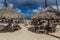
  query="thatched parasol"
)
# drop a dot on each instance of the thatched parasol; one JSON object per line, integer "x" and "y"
{"x": 48, "y": 13}
{"x": 49, "y": 9}
{"x": 8, "y": 12}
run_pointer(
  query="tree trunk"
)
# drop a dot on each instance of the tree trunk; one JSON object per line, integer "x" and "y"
{"x": 57, "y": 4}
{"x": 46, "y": 3}
{"x": 5, "y": 3}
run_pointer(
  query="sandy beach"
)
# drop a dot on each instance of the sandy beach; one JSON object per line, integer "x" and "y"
{"x": 24, "y": 34}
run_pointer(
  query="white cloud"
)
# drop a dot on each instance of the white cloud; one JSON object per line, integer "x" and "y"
{"x": 39, "y": 8}
{"x": 35, "y": 10}
{"x": 55, "y": 7}
{"x": 30, "y": 1}
{"x": 18, "y": 10}
{"x": 10, "y": 5}
{"x": 29, "y": 10}
{"x": 1, "y": 5}
{"x": 59, "y": 7}
{"x": 1, "y": 0}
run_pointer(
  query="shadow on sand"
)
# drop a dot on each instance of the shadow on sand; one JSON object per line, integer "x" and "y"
{"x": 32, "y": 30}
{"x": 5, "y": 31}
{"x": 53, "y": 36}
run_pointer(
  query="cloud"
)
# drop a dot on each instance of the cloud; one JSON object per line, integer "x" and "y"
{"x": 35, "y": 10}
{"x": 28, "y": 2}
{"x": 1, "y": 5}
{"x": 55, "y": 7}
{"x": 1, "y": 0}
{"x": 34, "y": 2}
{"x": 29, "y": 10}
{"x": 10, "y": 5}
{"x": 40, "y": 8}
{"x": 18, "y": 10}
{"x": 59, "y": 7}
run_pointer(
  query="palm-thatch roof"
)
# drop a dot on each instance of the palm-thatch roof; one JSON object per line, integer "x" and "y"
{"x": 8, "y": 12}
{"x": 47, "y": 13}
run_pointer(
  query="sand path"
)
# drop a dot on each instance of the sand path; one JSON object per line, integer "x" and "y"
{"x": 24, "y": 34}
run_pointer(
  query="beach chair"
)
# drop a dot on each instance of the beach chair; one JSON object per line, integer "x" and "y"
{"x": 53, "y": 28}
{"x": 2, "y": 27}
{"x": 41, "y": 29}
{"x": 16, "y": 27}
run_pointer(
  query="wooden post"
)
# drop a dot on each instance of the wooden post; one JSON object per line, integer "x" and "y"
{"x": 9, "y": 25}
{"x": 47, "y": 27}
{"x": 48, "y": 22}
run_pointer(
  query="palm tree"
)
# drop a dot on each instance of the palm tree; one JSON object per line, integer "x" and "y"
{"x": 57, "y": 4}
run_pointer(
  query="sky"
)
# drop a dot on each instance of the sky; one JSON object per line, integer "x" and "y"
{"x": 29, "y": 7}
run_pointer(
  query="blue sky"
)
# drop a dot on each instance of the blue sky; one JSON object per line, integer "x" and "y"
{"x": 29, "y": 7}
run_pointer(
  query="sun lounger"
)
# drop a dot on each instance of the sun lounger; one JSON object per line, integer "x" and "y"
{"x": 16, "y": 27}
{"x": 2, "y": 27}
{"x": 44, "y": 31}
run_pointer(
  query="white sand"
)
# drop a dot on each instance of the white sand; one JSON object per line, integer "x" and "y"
{"x": 24, "y": 34}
